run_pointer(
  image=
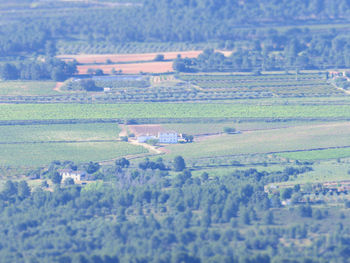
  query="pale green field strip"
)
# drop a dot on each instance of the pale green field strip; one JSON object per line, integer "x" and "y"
{"x": 267, "y": 141}
{"x": 318, "y": 154}
{"x": 27, "y": 88}
{"x": 224, "y": 171}
{"x": 59, "y": 132}
{"x": 323, "y": 172}
{"x": 168, "y": 110}
{"x": 44, "y": 153}
{"x": 210, "y": 128}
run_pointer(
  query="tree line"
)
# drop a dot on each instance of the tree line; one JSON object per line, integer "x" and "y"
{"x": 143, "y": 213}
{"x": 224, "y": 21}
{"x": 51, "y": 68}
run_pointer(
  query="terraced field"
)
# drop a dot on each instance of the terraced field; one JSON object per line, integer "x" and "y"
{"x": 175, "y": 88}
{"x": 271, "y": 85}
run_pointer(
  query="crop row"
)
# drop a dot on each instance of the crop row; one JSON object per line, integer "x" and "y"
{"x": 248, "y": 78}
{"x": 167, "y": 110}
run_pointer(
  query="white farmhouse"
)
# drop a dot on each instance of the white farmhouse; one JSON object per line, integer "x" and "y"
{"x": 167, "y": 137}
{"x": 77, "y": 176}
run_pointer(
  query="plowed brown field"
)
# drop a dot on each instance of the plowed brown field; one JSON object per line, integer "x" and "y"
{"x": 133, "y": 68}
{"x": 115, "y": 58}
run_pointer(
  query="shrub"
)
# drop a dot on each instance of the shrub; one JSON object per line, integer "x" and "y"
{"x": 229, "y": 130}
{"x": 124, "y": 138}
{"x": 159, "y": 57}
{"x": 152, "y": 141}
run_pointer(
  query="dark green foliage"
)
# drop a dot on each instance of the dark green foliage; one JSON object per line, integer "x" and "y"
{"x": 305, "y": 211}
{"x": 347, "y": 204}
{"x": 147, "y": 164}
{"x": 56, "y": 178}
{"x": 142, "y": 216}
{"x": 124, "y": 138}
{"x": 287, "y": 193}
{"x": 52, "y": 68}
{"x": 268, "y": 218}
{"x": 179, "y": 164}
{"x": 68, "y": 181}
{"x": 89, "y": 85}
{"x": 9, "y": 72}
{"x": 93, "y": 167}
{"x": 229, "y": 130}
{"x": 23, "y": 190}
{"x": 122, "y": 162}
{"x": 204, "y": 176}
{"x": 188, "y": 138}
{"x": 159, "y": 57}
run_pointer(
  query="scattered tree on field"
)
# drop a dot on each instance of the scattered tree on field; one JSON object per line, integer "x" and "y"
{"x": 179, "y": 164}
{"x": 229, "y": 130}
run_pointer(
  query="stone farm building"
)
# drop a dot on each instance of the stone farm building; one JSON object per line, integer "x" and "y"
{"x": 77, "y": 176}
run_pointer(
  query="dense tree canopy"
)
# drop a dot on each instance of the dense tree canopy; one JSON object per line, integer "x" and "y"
{"x": 146, "y": 215}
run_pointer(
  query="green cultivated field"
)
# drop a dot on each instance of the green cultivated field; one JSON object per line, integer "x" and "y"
{"x": 213, "y": 127}
{"x": 267, "y": 141}
{"x": 27, "y": 88}
{"x": 318, "y": 154}
{"x": 168, "y": 110}
{"x": 59, "y": 132}
{"x": 33, "y": 145}
{"x": 44, "y": 153}
{"x": 323, "y": 172}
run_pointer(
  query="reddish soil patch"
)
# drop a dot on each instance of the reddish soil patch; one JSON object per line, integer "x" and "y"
{"x": 134, "y": 68}
{"x": 146, "y": 129}
{"x": 115, "y": 58}
{"x": 58, "y": 86}
{"x": 164, "y": 150}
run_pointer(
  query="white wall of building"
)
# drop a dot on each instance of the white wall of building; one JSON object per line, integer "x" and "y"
{"x": 168, "y": 137}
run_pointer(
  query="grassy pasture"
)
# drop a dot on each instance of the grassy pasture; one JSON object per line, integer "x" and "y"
{"x": 318, "y": 154}
{"x": 267, "y": 141}
{"x": 168, "y": 110}
{"x": 323, "y": 172}
{"x": 213, "y": 127}
{"x": 77, "y": 142}
{"x": 224, "y": 171}
{"x": 27, "y": 88}
{"x": 34, "y": 154}
{"x": 59, "y": 132}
